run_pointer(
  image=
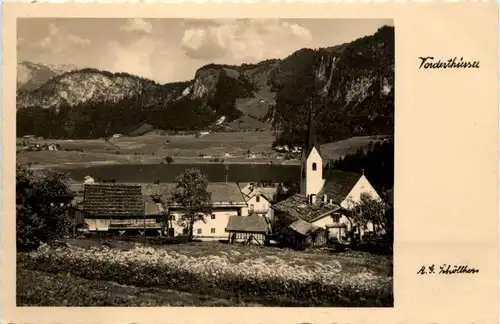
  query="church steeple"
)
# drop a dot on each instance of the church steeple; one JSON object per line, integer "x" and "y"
{"x": 311, "y": 141}
{"x": 312, "y": 163}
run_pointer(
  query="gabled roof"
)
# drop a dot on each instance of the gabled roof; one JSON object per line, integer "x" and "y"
{"x": 338, "y": 184}
{"x": 221, "y": 192}
{"x": 267, "y": 193}
{"x": 303, "y": 227}
{"x": 297, "y": 207}
{"x": 249, "y": 224}
{"x": 113, "y": 200}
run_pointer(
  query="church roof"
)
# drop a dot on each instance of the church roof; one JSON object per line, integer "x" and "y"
{"x": 338, "y": 184}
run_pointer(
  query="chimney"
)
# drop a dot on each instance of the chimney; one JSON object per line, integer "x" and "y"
{"x": 325, "y": 198}
{"x": 363, "y": 171}
{"x": 313, "y": 199}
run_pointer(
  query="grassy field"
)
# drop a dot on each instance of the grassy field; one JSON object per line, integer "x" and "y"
{"x": 37, "y": 288}
{"x": 232, "y": 147}
{"x": 201, "y": 274}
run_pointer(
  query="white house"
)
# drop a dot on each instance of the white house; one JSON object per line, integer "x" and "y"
{"x": 259, "y": 200}
{"x": 323, "y": 195}
{"x": 227, "y": 200}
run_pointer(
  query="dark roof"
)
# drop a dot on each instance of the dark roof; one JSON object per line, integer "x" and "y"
{"x": 338, "y": 184}
{"x": 303, "y": 227}
{"x": 311, "y": 138}
{"x": 113, "y": 200}
{"x": 251, "y": 224}
{"x": 297, "y": 207}
{"x": 221, "y": 192}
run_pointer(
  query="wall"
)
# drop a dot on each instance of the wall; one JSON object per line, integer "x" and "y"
{"x": 102, "y": 224}
{"x": 219, "y": 223}
{"x": 363, "y": 185}
{"x": 313, "y": 183}
{"x": 260, "y": 207}
{"x": 328, "y": 220}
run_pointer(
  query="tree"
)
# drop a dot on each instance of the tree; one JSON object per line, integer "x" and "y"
{"x": 40, "y": 207}
{"x": 192, "y": 196}
{"x": 369, "y": 209}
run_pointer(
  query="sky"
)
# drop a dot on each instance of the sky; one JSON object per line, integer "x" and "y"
{"x": 168, "y": 50}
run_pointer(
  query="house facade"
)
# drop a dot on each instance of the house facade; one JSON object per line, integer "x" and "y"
{"x": 125, "y": 207}
{"x": 227, "y": 201}
{"x": 259, "y": 200}
{"x": 110, "y": 207}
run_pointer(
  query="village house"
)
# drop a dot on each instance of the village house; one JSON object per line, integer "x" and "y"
{"x": 227, "y": 200}
{"x": 118, "y": 207}
{"x": 125, "y": 207}
{"x": 324, "y": 199}
{"x": 259, "y": 199}
{"x": 252, "y": 229}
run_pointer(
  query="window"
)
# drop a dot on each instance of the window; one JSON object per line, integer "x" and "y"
{"x": 213, "y": 216}
{"x": 172, "y": 217}
{"x": 257, "y": 198}
{"x": 314, "y": 166}
{"x": 212, "y": 230}
{"x": 199, "y": 231}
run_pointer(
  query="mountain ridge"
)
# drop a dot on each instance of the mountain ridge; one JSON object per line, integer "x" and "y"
{"x": 351, "y": 85}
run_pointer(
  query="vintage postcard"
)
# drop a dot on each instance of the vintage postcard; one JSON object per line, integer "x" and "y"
{"x": 250, "y": 163}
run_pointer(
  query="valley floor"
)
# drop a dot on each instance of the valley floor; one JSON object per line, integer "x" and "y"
{"x": 232, "y": 147}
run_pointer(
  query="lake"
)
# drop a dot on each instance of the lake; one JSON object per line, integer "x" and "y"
{"x": 168, "y": 172}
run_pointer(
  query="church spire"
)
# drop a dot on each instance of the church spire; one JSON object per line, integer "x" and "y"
{"x": 311, "y": 133}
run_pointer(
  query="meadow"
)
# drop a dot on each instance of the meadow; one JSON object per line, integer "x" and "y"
{"x": 205, "y": 273}
{"x": 233, "y": 147}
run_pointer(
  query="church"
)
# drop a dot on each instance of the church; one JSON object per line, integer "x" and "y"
{"x": 324, "y": 198}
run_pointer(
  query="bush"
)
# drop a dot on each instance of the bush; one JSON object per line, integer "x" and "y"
{"x": 39, "y": 214}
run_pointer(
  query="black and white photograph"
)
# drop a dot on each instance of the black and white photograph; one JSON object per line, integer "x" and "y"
{"x": 205, "y": 162}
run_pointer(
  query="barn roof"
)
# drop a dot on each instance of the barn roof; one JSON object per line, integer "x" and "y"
{"x": 338, "y": 184}
{"x": 113, "y": 200}
{"x": 250, "y": 224}
{"x": 297, "y": 207}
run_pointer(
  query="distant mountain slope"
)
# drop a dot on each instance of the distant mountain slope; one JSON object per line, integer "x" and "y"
{"x": 32, "y": 75}
{"x": 351, "y": 87}
{"x": 91, "y": 85}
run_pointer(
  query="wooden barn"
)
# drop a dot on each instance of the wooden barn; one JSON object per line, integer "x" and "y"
{"x": 302, "y": 234}
{"x": 247, "y": 229}
{"x": 118, "y": 207}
